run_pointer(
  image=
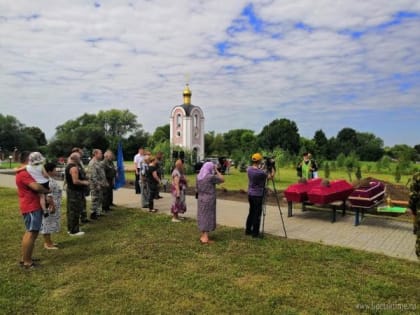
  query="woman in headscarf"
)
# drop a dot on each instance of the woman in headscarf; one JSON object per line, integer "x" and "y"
{"x": 179, "y": 184}
{"x": 207, "y": 179}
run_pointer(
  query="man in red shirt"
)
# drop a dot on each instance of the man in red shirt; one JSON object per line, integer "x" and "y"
{"x": 31, "y": 210}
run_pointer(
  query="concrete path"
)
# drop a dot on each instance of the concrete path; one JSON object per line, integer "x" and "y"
{"x": 375, "y": 234}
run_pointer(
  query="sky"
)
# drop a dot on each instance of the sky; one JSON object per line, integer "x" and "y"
{"x": 323, "y": 64}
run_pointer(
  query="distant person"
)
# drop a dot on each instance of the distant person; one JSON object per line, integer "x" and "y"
{"x": 153, "y": 182}
{"x": 314, "y": 166}
{"x": 178, "y": 187}
{"x": 160, "y": 172}
{"x": 51, "y": 223}
{"x": 144, "y": 186}
{"x": 30, "y": 209}
{"x": 414, "y": 206}
{"x": 138, "y": 161}
{"x": 256, "y": 190}
{"x": 110, "y": 173}
{"x": 206, "y": 182}
{"x": 304, "y": 168}
{"x": 76, "y": 190}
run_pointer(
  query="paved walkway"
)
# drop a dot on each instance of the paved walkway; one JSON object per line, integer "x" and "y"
{"x": 375, "y": 234}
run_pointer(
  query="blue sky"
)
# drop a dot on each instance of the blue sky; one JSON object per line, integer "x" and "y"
{"x": 324, "y": 64}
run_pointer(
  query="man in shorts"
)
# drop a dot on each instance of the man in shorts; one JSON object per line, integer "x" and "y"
{"x": 31, "y": 210}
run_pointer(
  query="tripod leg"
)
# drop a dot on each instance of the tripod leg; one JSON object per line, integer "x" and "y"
{"x": 278, "y": 206}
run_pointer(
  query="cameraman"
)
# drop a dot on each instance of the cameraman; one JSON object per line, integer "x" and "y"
{"x": 257, "y": 178}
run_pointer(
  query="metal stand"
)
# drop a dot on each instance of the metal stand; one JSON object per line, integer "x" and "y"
{"x": 278, "y": 206}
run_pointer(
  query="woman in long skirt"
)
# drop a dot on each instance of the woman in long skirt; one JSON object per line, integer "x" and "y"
{"x": 207, "y": 179}
{"x": 179, "y": 184}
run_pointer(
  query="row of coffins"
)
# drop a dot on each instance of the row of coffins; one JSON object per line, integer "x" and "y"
{"x": 334, "y": 194}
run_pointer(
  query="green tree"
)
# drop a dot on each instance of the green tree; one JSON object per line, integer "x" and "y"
{"x": 161, "y": 134}
{"x": 327, "y": 170}
{"x": 347, "y": 140}
{"x": 116, "y": 123}
{"x": 100, "y": 131}
{"x": 351, "y": 161}
{"x": 281, "y": 133}
{"x": 358, "y": 173}
{"x": 321, "y": 144}
{"x": 370, "y": 147}
{"x": 37, "y": 134}
{"x": 397, "y": 174}
{"x": 341, "y": 159}
{"x": 14, "y": 134}
{"x": 238, "y": 140}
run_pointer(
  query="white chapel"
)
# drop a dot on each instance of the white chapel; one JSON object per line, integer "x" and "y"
{"x": 187, "y": 127}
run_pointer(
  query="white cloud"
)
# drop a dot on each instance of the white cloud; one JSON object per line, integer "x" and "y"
{"x": 70, "y": 58}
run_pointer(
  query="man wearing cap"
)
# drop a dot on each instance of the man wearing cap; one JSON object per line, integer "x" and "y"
{"x": 256, "y": 188}
{"x": 30, "y": 208}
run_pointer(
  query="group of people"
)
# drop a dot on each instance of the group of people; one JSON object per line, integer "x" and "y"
{"x": 148, "y": 177}
{"x": 307, "y": 168}
{"x": 208, "y": 177}
{"x": 40, "y": 195}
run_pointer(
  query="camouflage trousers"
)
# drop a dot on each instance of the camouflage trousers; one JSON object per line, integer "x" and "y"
{"x": 144, "y": 195}
{"x": 75, "y": 204}
{"x": 96, "y": 196}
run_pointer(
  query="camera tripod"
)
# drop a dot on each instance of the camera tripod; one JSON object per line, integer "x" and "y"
{"x": 278, "y": 206}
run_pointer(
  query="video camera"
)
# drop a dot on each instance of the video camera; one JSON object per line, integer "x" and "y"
{"x": 268, "y": 164}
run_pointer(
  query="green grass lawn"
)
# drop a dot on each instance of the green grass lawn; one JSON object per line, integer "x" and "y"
{"x": 284, "y": 177}
{"x": 133, "y": 262}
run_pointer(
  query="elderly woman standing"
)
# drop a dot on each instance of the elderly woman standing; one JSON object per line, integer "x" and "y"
{"x": 207, "y": 179}
{"x": 179, "y": 184}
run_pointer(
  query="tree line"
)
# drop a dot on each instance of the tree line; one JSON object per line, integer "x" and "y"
{"x": 104, "y": 129}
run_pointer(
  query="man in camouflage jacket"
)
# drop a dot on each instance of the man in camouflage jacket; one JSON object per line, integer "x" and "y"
{"x": 98, "y": 182}
{"x": 110, "y": 173}
{"x": 414, "y": 206}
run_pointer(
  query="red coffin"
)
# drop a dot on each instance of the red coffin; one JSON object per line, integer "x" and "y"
{"x": 337, "y": 190}
{"x": 369, "y": 196}
{"x": 299, "y": 192}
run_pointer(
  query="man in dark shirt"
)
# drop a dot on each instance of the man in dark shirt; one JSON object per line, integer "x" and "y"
{"x": 76, "y": 190}
{"x": 256, "y": 189}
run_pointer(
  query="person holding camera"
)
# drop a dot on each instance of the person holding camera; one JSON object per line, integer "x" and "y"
{"x": 257, "y": 178}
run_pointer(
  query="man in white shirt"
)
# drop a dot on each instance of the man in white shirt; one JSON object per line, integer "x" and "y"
{"x": 138, "y": 161}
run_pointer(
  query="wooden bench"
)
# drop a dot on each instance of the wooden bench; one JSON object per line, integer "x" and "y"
{"x": 359, "y": 212}
{"x": 334, "y": 206}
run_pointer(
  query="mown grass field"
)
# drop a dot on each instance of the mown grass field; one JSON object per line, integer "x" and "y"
{"x": 284, "y": 177}
{"x": 133, "y": 262}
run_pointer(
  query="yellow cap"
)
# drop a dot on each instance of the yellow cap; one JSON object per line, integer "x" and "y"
{"x": 256, "y": 157}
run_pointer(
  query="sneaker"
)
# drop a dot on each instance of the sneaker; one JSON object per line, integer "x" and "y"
{"x": 175, "y": 220}
{"x": 80, "y": 233}
{"x": 50, "y": 247}
{"x": 30, "y": 267}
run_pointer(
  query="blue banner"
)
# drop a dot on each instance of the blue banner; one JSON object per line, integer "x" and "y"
{"x": 120, "y": 178}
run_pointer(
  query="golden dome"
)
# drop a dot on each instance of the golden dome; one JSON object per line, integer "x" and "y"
{"x": 187, "y": 94}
